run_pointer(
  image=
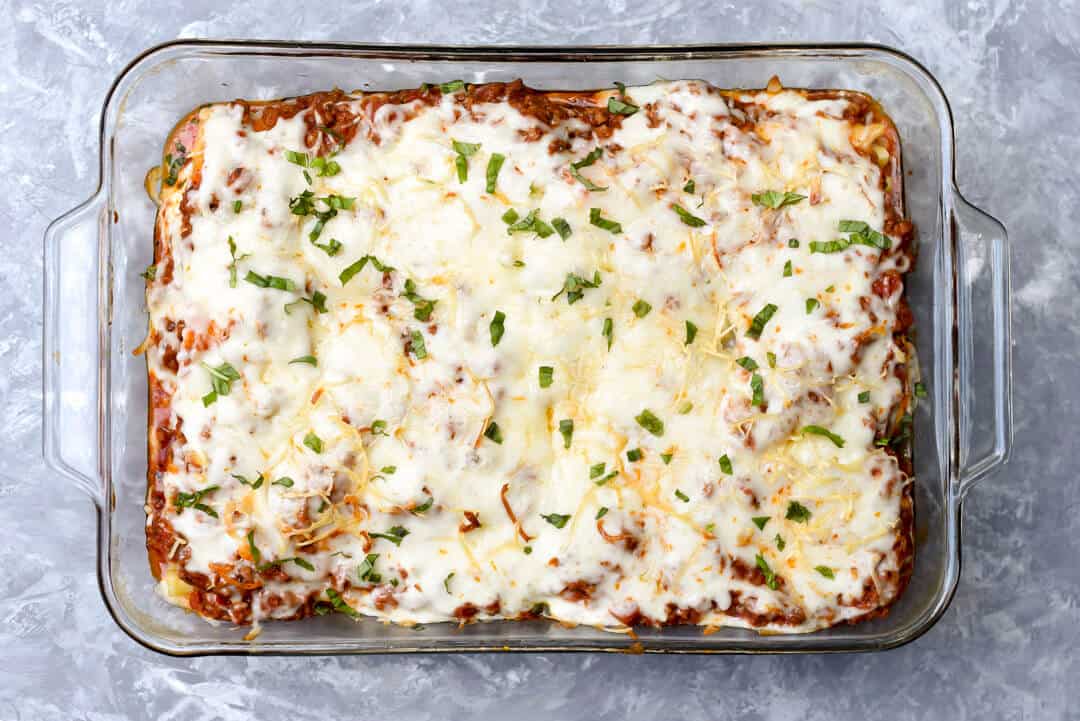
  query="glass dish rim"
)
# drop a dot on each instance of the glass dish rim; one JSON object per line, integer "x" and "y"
{"x": 950, "y": 197}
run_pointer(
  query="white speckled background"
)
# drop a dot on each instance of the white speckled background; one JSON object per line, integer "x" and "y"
{"x": 1007, "y": 648}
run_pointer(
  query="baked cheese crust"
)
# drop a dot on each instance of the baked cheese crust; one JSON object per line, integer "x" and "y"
{"x": 633, "y": 356}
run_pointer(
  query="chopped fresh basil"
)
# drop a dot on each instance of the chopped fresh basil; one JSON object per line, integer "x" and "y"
{"x": 818, "y": 430}
{"x": 464, "y": 152}
{"x": 648, "y": 420}
{"x": 758, "y": 324}
{"x": 541, "y": 228}
{"x": 864, "y": 397}
{"x": 495, "y": 163}
{"x": 394, "y": 535}
{"x": 516, "y": 225}
{"x": 256, "y": 557}
{"x": 787, "y": 269}
{"x": 825, "y": 571}
{"x": 416, "y": 345}
{"x": 682, "y": 496}
{"x": 221, "y": 380}
{"x": 641, "y": 308}
{"x": 331, "y": 248}
{"x": 920, "y": 390}
{"x": 338, "y": 603}
{"x": 270, "y": 281}
{"x": 301, "y": 562}
{"x": 687, "y": 217}
{"x": 366, "y": 570}
{"x": 235, "y": 259}
{"x": 775, "y": 199}
{"x": 452, "y": 87}
{"x": 316, "y": 301}
{"x": 811, "y": 304}
{"x": 793, "y": 243}
{"x": 797, "y": 512}
{"x": 547, "y": 375}
{"x": 556, "y": 519}
{"x": 748, "y": 363}
{"x": 829, "y": 246}
{"x": 903, "y": 433}
{"x": 324, "y": 167}
{"x": 689, "y": 187}
{"x": 378, "y": 428}
{"x": 872, "y": 238}
{"x": 757, "y": 386}
{"x": 852, "y": 226}
{"x": 685, "y": 407}
{"x": 725, "y": 464}
{"x": 608, "y": 331}
{"x": 760, "y": 522}
{"x": 596, "y": 470}
{"x": 780, "y": 543}
{"x": 493, "y": 433}
{"x": 691, "y": 333}
{"x": 562, "y": 227}
{"x": 303, "y": 204}
{"x": 174, "y": 165}
{"x": 566, "y": 428}
{"x": 194, "y": 500}
{"x": 446, "y": 581}
{"x": 237, "y": 206}
{"x": 151, "y": 272}
{"x": 313, "y": 442}
{"x": 307, "y": 204}
{"x": 426, "y": 505}
{"x": 255, "y": 485}
{"x": 595, "y": 218}
{"x": 530, "y": 223}
{"x": 423, "y": 307}
{"x": 497, "y": 327}
{"x": 633, "y": 455}
{"x": 863, "y": 234}
{"x": 284, "y": 482}
{"x": 585, "y": 162}
{"x": 771, "y": 357}
{"x": 601, "y": 512}
{"x": 296, "y": 158}
{"x": 770, "y": 577}
{"x": 574, "y": 286}
{"x": 666, "y": 457}
{"x": 620, "y": 107}
{"x": 346, "y": 275}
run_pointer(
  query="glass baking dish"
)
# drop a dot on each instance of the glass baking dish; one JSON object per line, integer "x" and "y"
{"x": 95, "y": 390}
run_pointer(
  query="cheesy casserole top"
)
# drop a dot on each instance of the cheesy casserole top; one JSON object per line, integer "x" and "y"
{"x": 469, "y": 352}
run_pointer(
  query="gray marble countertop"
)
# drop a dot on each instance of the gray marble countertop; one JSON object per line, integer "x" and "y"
{"x": 1007, "y": 648}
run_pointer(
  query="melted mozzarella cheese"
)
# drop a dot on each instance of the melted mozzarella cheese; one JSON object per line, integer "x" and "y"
{"x": 399, "y": 429}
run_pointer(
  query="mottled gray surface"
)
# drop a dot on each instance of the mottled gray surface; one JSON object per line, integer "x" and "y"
{"x": 1007, "y": 648}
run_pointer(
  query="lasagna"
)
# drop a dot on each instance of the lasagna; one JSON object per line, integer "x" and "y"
{"x": 625, "y": 357}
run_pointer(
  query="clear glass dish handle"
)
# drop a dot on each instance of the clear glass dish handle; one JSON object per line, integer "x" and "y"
{"x": 984, "y": 345}
{"x": 71, "y": 362}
